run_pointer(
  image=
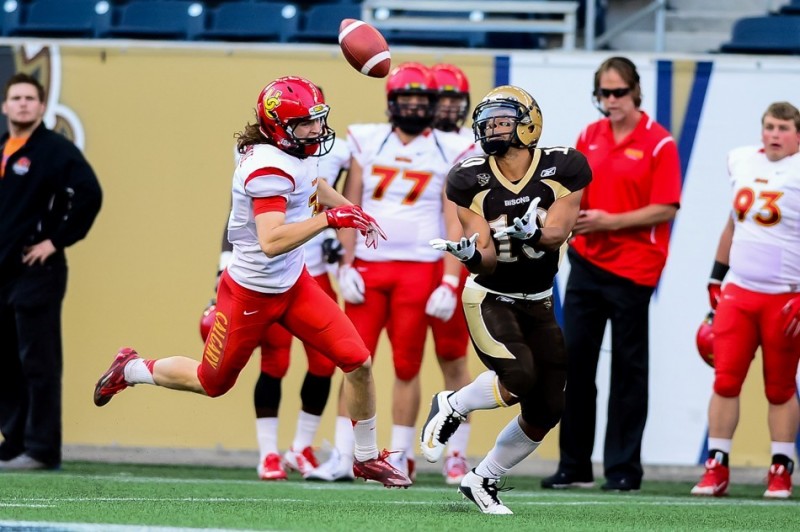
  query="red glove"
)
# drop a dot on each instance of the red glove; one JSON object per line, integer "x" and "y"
{"x": 791, "y": 311}
{"x": 348, "y": 216}
{"x": 714, "y": 294}
{"x": 372, "y": 232}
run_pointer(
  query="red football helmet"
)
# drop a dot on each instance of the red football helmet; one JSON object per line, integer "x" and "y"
{"x": 454, "y": 85}
{"x": 287, "y": 101}
{"x": 411, "y": 79}
{"x": 705, "y": 339}
{"x": 207, "y": 320}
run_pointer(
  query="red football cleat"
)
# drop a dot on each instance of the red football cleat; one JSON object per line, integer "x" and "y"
{"x": 271, "y": 468}
{"x": 714, "y": 481}
{"x": 779, "y": 482}
{"x": 113, "y": 380}
{"x": 379, "y": 470}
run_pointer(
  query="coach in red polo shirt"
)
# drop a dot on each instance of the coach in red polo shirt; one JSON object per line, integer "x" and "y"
{"x": 616, "y": 257}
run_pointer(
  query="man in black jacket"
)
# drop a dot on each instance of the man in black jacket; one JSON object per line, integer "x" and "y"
{"x": 49, "y": 197}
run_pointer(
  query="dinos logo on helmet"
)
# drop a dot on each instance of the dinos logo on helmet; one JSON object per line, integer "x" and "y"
{"x": 271, "y": 101}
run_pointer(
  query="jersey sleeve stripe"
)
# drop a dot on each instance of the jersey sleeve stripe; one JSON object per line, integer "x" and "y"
{"x": 661, "y": 144}
{"x": 272, "y": 204}
{"x": 270, "y": 170}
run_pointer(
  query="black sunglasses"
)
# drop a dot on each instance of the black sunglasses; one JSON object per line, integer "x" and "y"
{"x": 616, "y": 93}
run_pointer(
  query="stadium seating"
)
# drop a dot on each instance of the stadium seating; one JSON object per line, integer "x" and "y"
{"x": 253, "y": 21}
{"x": 165, "y": 19}
{"x": 792, "y": 8}
{"x": 321, "y": 22}
{"x": 765, "y": 35}
{"x": 57, "y": 18}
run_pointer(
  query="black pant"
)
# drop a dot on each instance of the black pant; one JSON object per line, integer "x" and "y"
{"x": 593, "y": 297}
{"x": 31, "y": 361}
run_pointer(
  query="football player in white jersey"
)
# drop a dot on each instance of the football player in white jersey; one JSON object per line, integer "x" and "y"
{"x": 519, "y": 203}
{"x": 277, "y": 200}
{"x": 398, "y": 169}
{"x": 320, "y": 252}
{"x": 758, "y": 258}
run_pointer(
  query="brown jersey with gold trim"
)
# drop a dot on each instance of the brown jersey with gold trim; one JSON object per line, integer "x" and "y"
{"x": 478, "y": 184}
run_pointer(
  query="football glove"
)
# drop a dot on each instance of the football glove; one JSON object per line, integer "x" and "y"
{"x": 791, "y": 324}
{"x": 463, "y": 250}
{"x": 442, "y": 302}
{"x": 525, "y": 228}
{"x": 347, "y": 216}
{"x": 351, "y": 284}
{"x": 207, "y": 319}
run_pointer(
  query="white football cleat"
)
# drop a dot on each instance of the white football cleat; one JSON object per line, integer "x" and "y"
{"x": 483, "y": 492}
{"x": 442, "y": 422}
{"x": 335, "y": 469}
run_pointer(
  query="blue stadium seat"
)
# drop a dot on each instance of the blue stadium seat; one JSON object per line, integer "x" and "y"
{"x": 58, "y": 18}
{"x": 167, "y": 19}
{"x": 792, "y": 8}
{"x": 321, "y": 22}
{"x": 765, "y": 35}
{"x": 253, "y": 21}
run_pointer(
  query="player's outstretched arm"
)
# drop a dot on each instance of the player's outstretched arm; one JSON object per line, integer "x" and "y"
{"x": 561, "y": 218}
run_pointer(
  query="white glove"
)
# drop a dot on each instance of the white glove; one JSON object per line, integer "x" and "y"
{"x": 525, "y": 228}
{"x": 463, "y": 250}
{"x": 442, "y": 302}
{"x": 351, "y": 284}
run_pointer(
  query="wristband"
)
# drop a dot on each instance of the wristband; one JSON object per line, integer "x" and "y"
{"x": 474, "y": 260}
{"x": 535, "y": 237}
{"x": 718, "y": 271}
{"x": 451, "y": 280}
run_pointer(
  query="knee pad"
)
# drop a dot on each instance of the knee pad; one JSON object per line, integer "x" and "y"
{"x": 314, "y": 393}
{"x": 406, "y": 369}
{"x": 275, "y": 361}
{"x": 543, "y": 409}
{"x": 780, "y": 392}
{"x": 267, "y": 394}
{"x": 727, "y": 385}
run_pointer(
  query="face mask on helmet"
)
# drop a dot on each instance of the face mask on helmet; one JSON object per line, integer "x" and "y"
{"x": 411, "y": 96}
{"x": 451, "y": 111}
{"x": 293, "y": 115}
{"x": 522, "y": 112}
{"x": 412, "y": 112}
{"x": 495, "y": 125}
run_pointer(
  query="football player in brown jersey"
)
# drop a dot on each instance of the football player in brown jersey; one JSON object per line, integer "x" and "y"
{"x": 519, "y": 204}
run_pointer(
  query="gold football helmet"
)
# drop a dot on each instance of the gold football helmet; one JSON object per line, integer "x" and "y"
{"x": 508, "y": 102}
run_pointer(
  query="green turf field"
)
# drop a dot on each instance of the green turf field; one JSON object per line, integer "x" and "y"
{"x": 161, "y": 496}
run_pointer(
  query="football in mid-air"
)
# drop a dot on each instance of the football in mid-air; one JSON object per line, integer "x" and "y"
{"x": 364, "y": 48}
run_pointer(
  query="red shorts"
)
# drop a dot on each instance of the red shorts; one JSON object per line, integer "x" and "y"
{"x": 745, "y": 320}
{"x": 395, "y": 298}
{"x": 243, "y": 316}
{"x": 276, "y": 346}
{"x": 451, "y": 337}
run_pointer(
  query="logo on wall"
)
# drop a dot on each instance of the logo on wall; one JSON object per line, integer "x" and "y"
{"x": 43, "y": 63}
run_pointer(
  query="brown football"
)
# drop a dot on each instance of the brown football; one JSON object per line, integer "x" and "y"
{"x": 364, "y": 48}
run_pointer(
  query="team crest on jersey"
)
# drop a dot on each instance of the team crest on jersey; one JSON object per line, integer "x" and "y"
{"x": 547, "y": 172}
{"x": 22, "y": 166}
{"x": 483, "y": 179}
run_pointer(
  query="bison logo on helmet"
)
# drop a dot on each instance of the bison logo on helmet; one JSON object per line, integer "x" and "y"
{"x": 271, "y": 102}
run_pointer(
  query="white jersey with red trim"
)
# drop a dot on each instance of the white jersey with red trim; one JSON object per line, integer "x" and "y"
{"x": 765, "y": 254}
{"x": 403, "y": 188}
{"x": 328, "y": 168}
{"x": 264, "y": 171}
